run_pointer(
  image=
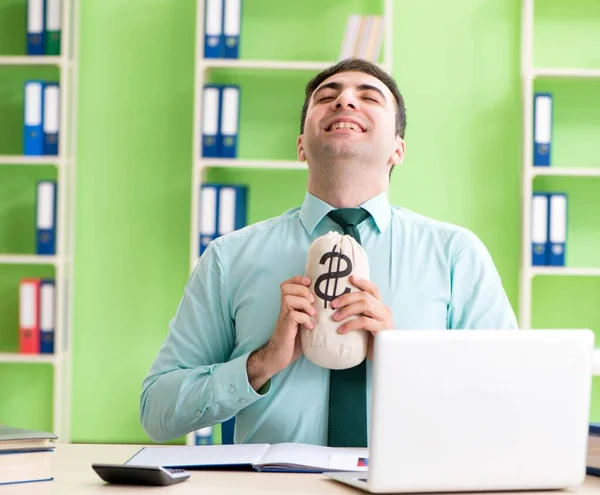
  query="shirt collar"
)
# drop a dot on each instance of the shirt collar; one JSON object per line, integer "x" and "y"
{"x": 314, "y": 209}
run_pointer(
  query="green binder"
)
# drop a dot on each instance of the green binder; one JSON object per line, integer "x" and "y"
{"x": 53, "y": 23}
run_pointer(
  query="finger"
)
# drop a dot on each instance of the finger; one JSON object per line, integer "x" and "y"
{"x": 366, "y": 285}
{"x": 296, "y": 303}
{"x": 301, "y": 319}
{"x": 297, "y": 290}
{"x": 361, "y": 323}
{"x": 298, "y": 280}
{"x": 366, "y": 308}
{"x": 351, "y": 298}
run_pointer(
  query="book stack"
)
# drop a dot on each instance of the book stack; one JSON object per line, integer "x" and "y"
{"x": 363, "y": 37}
{"x": 25, "y": 455}
{"x": 593, "y": 453}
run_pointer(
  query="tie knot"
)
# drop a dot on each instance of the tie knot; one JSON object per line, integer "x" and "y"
{"x": 345, "y": 217}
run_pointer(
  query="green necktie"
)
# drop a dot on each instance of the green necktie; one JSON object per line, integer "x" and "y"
{"x": 347, "y": 388}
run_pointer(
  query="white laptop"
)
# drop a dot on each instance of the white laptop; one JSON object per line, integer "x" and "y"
{"x": 477, "y": 410}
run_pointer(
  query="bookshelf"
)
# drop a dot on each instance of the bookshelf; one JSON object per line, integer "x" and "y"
{"x": 237, "y": 69}
{"x": 530, "y": 75}
{"x": 61, "y": 167}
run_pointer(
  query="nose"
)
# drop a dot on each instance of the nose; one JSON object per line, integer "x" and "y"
{"x": 346, "y": 100}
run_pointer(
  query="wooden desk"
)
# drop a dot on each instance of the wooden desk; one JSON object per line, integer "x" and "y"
{"x": 74, "y": 476}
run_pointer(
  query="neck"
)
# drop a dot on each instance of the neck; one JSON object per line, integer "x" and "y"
{"x": 344, "y": 192}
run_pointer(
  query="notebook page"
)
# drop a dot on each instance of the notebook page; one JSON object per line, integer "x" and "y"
{"x": 314, "y": 456}
{"x": 198, "y": 455}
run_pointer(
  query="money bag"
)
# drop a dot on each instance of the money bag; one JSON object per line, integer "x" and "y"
{"x": 332, "y": 259}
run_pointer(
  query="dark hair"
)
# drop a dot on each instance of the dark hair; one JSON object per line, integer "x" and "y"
{"x": 358, "y": 65}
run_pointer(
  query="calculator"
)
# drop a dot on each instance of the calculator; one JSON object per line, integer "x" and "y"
{"x": 126, "y": 474}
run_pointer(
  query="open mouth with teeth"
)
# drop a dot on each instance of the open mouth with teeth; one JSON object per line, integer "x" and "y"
{"x": 345, "y": 126}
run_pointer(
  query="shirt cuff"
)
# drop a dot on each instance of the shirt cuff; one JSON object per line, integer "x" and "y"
{"x": 232, "y": 390}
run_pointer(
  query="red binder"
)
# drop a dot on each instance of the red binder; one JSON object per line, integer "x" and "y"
{"x": 29, "y": 316}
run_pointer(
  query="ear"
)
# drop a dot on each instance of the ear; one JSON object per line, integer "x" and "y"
{"x": 300, "y": 148}
{"x": 398, "y": 154}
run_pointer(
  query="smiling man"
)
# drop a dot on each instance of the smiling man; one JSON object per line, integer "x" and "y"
{"x": 233, "y": 348}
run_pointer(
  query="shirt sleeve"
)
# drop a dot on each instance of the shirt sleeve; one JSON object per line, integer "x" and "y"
{"x": 192, "y": 382}
{"x": 478, "y": 299}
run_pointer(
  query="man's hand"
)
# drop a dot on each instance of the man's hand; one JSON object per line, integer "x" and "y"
{"x": 372, "y": 314}
{"x": 284, "y": 347}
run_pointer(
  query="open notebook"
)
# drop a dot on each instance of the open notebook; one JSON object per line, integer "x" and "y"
{"x": 279, "y": 457}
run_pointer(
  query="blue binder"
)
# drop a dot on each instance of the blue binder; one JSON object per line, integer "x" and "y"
{"x": 46, "y": 217}
{"x": 47, "y": 312}
{"x": 231, "y": 27}
{"x": 207, "y": 218}
{"x": 230, "y": 116}
{"x": 214, "y": 44}
{"x": 227, "y": 431}
{"x": 539, "y": 229}
{"x": 35, "y": 27}
{"x": 557, "y": 232}
{"x": 204, "y": 436}
{"x": 51, "y": 118}
{"x": 211, "y": 121}
{"x": 232, "y": 208}
{"x": 542, "y": 129}
{"x": 33, "y": 139}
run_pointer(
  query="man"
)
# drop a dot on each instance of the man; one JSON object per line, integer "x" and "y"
{"x": 233, "y": 345}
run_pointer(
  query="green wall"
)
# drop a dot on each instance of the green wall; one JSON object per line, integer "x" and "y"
{"x": 459, "y": 73}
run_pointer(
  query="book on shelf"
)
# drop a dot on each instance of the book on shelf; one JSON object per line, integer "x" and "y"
{"x": 363, "y": 37}
{"x": 278, "y": 457}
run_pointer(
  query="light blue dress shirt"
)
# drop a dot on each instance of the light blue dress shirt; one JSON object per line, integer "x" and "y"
{"x": 433, "y": 275}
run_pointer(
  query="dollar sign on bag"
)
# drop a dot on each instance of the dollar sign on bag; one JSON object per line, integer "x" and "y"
{"x": 332, "y": 274}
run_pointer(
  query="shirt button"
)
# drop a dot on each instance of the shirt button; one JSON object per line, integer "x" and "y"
{"x": 232, "y": 389}
{"x": 242, "y": 400}
{"x": 198, "y": 413}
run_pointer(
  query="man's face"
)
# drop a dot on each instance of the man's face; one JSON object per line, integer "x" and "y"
{"x": 351, "y": 115}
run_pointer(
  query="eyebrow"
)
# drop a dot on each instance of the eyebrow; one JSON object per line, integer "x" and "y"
{"x": 338, "y": 86}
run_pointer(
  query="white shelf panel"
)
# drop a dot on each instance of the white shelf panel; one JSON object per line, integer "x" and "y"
{"x": 263, "y": 164}
{"x": 30, "y": 60}
{"x": 30, "y": 160}
{"x": 565, "y": 271}
{"x": 596, "y": 362}
{"x": 27, "y": 259}
{"x": 15, "y": 357}
{"x": 564, "y": 171}
{"x": 566, "y": 72}
{"x": 232, "y": 63}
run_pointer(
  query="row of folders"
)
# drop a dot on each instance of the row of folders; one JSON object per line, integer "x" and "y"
{"x": 43, "y": 27}
{"x": 37, "y": 303}
{"x": 223, "y": 209}
{"x": 41, "y": 118}
{"x": 220, "y": 120}
{"x": 363, "y": 35}
{"x": 548, "y": 229}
